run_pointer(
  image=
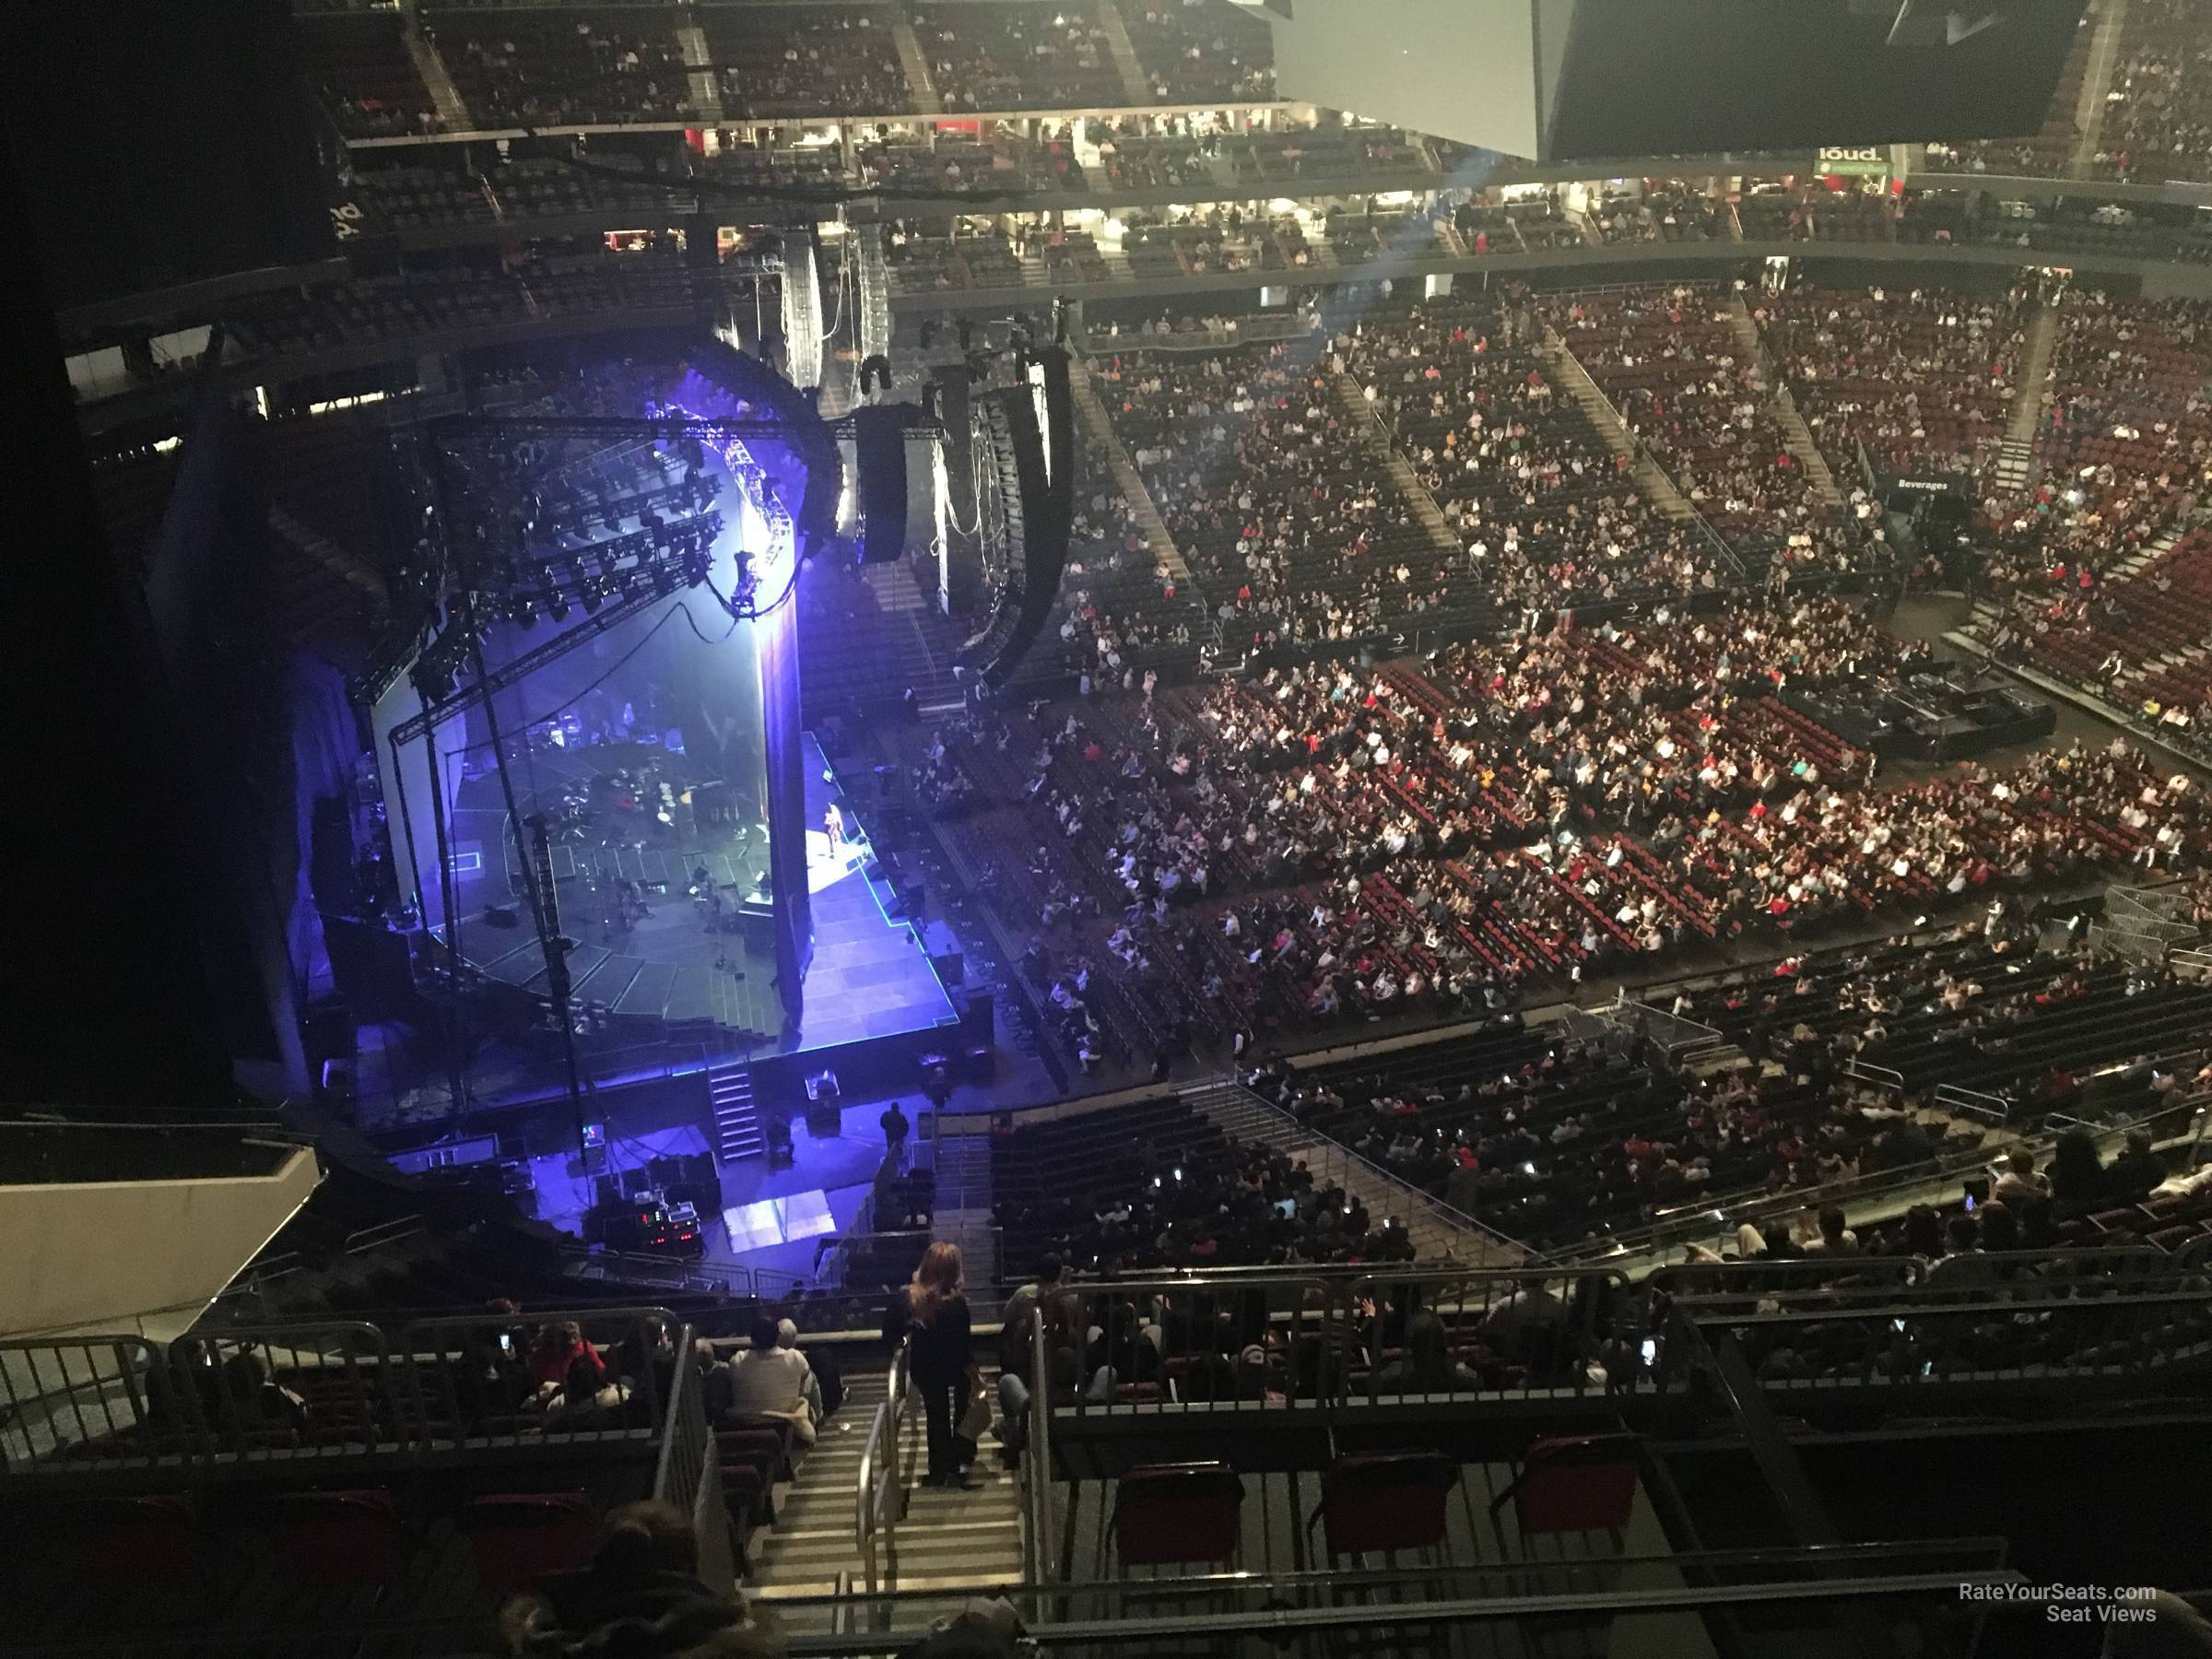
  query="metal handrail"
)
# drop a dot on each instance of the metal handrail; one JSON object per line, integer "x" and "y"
{"x": 1974, "y": 1104}
{"x": 1865, "y": 1071}
{"x": 872, "y": 1516}
{"x": 1037, "y": 1445}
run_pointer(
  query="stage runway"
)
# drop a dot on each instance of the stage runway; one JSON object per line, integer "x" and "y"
{"x": 870, "y": 976}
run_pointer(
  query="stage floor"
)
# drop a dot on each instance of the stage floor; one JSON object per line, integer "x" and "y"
{"x": 870, "y": 976}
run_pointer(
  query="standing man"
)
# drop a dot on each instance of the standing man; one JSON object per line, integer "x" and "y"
{"x": 894, "y": 1128}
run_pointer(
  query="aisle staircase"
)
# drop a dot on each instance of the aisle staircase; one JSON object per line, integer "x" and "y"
{"x": 1784, "y": 407}
{"x": 1369, "y": 425}
{"x": 1102, "y": 442}
{"x": 738, "y": 1132}
{"x": 943, "y": 1540}
{"x": 1648, "y": 475}
{"x": 2032, "y": 384}
{"x": 453, "y": 111}
{"x": 1134, "y": 79}
{"x": 915, "y": 62}
{"x": 698, "y": 64}
{"x": 2097, "y": 85}
{"x": 1439, "y": 1234}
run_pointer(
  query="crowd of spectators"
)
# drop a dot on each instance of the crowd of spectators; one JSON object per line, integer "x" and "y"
{"x": 1018, "y": 57}
{"x": 805, "y": 60}
{"x": 1543, "y": 512}
{"x": 576, "y": 64}
{"x": 1199, "y": 50}
{"x": 1315, "y": 843}
{"x": 2157, "y": 116}
{"x": 1921, "y": 378}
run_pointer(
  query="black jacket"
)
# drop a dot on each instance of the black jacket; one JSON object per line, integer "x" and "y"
{"x": 937, "y": 1352}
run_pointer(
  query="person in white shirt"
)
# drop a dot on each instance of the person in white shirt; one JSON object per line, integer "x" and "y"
{"x": 768, "y": 1380}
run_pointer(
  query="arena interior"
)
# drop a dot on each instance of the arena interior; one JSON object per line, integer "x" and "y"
{"x": 864, "y": 827}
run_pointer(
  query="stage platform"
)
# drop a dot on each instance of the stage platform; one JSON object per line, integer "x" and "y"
{"x": 871, "y": 980}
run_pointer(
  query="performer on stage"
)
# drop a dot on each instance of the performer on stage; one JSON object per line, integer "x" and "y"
{"x": 833, "y": 822}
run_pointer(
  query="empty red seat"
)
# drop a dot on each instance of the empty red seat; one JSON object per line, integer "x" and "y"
{"x": 347, "y": 1538}
{"x": 519, "y": 1538}
{"x": 1178, "y": 1514}
{"x": 1575, "y": 1483}
{"x": 1380, "y": 1501}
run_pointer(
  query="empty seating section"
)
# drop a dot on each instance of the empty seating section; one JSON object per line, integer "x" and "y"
{"x": 1135, "y": 160}
{"x": 573, "y": 65}
{"x": 1019, "y": 57}
{"x": 920, "y": 264}
{"x": 1663, "y": 210}
{"x": 371, "y": 310}
{"x": 805, "y": 60}
{"x": 361, "y": 62}
{"x": 1673, "y": 366}
{"x": 1923, "y": 380}
{"x": 955, "y": 164}
{"x": 1542, "y": 509}
{"x": 1328, "y": 151}
{"x": 1550, "y": 1141}
{"x": 2157, "y": 121}
{"x": 416, "y": 197}
{"x": 1200, "y": 51}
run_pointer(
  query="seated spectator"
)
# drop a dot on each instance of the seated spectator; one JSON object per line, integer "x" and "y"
{"x": 2136, "y": 1172}
{"x": 2077, "y": 1175}
{"x": 1426, "y": 1367}
{"x": 641, "y": 1597}
{"x": 557, "y": 1347}
{"x": 826, "y": 1384}
{"x": 768, "y": 1380}
{"x": 2019, "y": 1183}
{"x": 587, "y": 1399}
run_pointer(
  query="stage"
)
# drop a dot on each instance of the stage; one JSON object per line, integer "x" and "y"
{"x": 698, "y": 951}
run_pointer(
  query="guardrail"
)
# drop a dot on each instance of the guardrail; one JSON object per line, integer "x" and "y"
{"x": 1241, "y": 1111}
{"x": 879, "y": 1494}
{"x": 248, "y": 1395}
{"x": 1297, "y": 1342}
{"x": 1972, "y": 1102}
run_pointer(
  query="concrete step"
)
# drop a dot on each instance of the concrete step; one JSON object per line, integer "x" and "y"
{"x": 2097, "y": 85}
{"x": 444, "y": 96}
{"x": 921, "y": 88}
{"x": 2031, "y": 386}
{"x": 699, "y": 62}
{"x": 1102, "y": 440}
{"x": 1126, "y": 61}
{"x": 1364, "y": 421}
{"x": 1784, "y": 407}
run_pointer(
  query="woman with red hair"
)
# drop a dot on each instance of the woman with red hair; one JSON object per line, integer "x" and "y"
{"x": 937, "y": 1356}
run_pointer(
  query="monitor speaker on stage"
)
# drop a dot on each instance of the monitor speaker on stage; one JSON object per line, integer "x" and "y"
{"x": 978, "y": 1022}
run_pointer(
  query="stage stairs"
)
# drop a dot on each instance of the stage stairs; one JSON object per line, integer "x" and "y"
{"x": 738, "y": 1132}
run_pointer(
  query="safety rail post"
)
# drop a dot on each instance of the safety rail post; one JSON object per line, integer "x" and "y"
{"x": 879, "y": 1492}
